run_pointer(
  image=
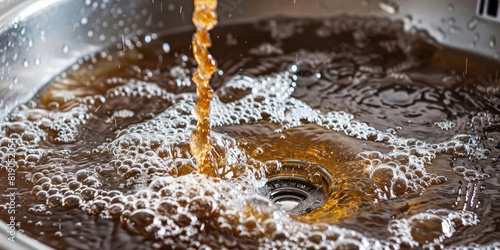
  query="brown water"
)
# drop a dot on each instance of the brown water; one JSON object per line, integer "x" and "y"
{"x": 103, "y": 159}
{"x": 204, "y": 19}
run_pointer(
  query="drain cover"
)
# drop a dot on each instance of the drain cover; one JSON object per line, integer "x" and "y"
{"x": 299, "y": 187}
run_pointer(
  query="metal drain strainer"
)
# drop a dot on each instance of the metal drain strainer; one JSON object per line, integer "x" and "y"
{"x": 299, "y": 187}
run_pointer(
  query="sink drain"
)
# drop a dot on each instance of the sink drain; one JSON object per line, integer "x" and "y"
{"x": 299, "y": 187}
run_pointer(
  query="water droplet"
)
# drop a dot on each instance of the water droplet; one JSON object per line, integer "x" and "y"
{"x": 442, "y": 34}
{"x": 88, "y": 2}
{"x": 166, "y": 47}
{"x": 455, "y": 29}
{"x": 65, "y": 49}
{"x": 26, "y": 63}
{"x": 148, "y": 39}
{"x": 42, "y": 36}
{"x": 408, "y": 18}
{"x": 84, "y": 21}
{"x": 493, "y": 42}
{"x": 476, "y": 37}
{"x": 37, "y": 61}
{"x": 90, "y": 33}
{"x": 451, "y": 7}
{"x": 472, "y": 24}
{"x": 389, "y": 7}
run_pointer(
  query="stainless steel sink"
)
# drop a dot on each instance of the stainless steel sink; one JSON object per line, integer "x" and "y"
{"x": 39, "y": 39}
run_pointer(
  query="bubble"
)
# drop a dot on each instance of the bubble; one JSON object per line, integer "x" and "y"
{"x": 202, "y": 207}
{"x": 82, "y": 174}
{"x": 430, "y": 228}
{"x": 43, "y": 180}
{"x": 152, "y": 157}
{"x": 115, "y": 210}
{"x": 74, "y": 185}
{"x": 72, "y": 201}
{"x": 88, "y": 193}
{"x": 55, "y": 200}
{"x": 41, "y": 195}
{"x": 140, "y": 219}
{"x": 98, "y": 206}
{"x": 168, "y": 207}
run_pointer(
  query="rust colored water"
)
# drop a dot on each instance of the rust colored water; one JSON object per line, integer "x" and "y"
{"x": 204, "y": 19}
{"x": 103, "y": 153}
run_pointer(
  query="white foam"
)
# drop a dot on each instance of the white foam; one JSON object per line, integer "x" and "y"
{"x": 407, "y": 230}
{"x": 153, "y": 152}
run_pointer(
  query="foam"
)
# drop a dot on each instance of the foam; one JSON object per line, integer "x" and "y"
{"x": 20, "y": 139}
{"x": 178, "y": 207}
{"x": 408, "y": 231}
{"x": 154, "y": 158}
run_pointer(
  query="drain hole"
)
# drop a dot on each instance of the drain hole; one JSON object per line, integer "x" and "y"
{"x": 291, "y": 189}
{"x": 295, "y": 196}
{"x": 288, "y": 201}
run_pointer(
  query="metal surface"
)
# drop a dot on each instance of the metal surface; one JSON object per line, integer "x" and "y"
{"x": 299, "y": 186}
{"x": 21, "y": 241}
{"x": 41, "y": 38}
{"x": 293, "y": 192}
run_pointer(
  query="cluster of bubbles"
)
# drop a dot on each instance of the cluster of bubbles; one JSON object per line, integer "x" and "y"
{"x": 420, "y": 229}
{"x": 26, "y": 128}
{"x": 445, "y": 125}
{"x": 173, "y": 206}
{"x": 169, "y": 207}
{"x": 402, "y": 171}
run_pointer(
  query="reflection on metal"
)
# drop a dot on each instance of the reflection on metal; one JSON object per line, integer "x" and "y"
{"x": 389, "y": 6}
{"x": 489, "y": 9}
{"x": 22, "y": 242}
